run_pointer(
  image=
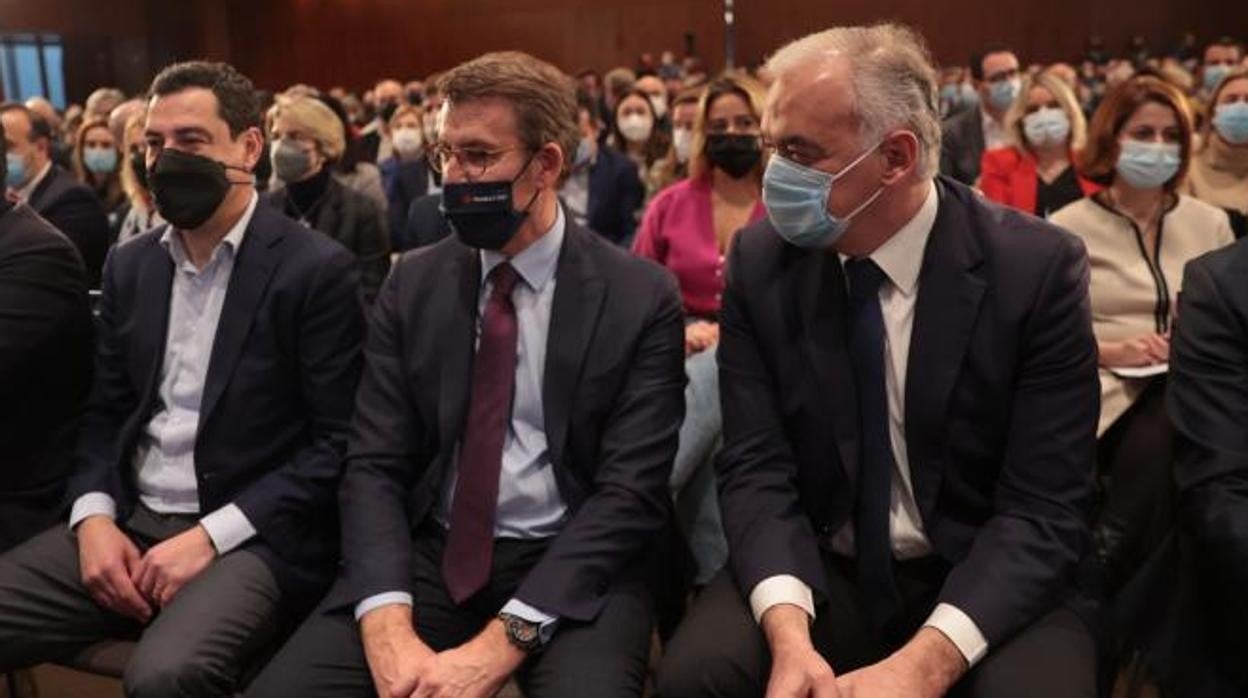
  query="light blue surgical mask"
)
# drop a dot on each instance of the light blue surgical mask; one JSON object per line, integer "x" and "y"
{"x": 1214, "y": 74}
{"x": 796, "y": 198}
{"x": 1148, "y": 165}
{"x": 1002, "y": 93}
{"x": 100, "y": 161}
{"x": 1231, "y": 121}
{"x": 1046, "y": 127}
{"x": 16, "y": 170}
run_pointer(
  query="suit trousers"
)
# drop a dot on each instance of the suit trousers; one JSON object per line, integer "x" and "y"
{"x": 720, "y": 650}
{"x": 199, "y": 645}
{"x": 605, "y": 657}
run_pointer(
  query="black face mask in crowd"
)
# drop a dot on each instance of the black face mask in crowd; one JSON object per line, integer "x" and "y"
{"x": 189, "y": 188}
{"x": 138, "y": 164}
{"x": 481, "y": 213}
{"x": 735, "y": 154}
{"x": 387, "y": 110}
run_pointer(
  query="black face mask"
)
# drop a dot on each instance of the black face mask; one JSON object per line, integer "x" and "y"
{"x": 481, "y": 213}
{"x": 735, "y": 154}
{"x": 387, "y": 110}
{"x": 415, "y": 98}
{"x": 189, "y": 188}
{"x": 138, "y": 164}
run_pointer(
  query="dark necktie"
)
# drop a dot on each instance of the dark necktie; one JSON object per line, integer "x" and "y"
{"x": 875, "y": 462}
{"x": 470, "y": 540}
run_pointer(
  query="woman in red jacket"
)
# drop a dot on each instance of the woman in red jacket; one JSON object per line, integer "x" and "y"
{"x": 1036, "y": 173}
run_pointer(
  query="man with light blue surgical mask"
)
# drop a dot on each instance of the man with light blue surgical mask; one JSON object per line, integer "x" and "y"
{"x": 902, "y": 498}
{"x": 967, "y": 134}
{"x": 1221, "y": 57}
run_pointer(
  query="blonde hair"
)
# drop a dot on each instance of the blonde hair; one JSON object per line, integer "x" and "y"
{"x": 893, "y": 80}
{"x": 1064, "y": 96}
{"x": 135, "y": 191}
{"x": 319, "y": 120}
{"x": 110, "y": 183}
{"x": 739, "y": 84}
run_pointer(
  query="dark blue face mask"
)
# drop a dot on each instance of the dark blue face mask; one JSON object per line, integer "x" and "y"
{"x": 481, "y": 214}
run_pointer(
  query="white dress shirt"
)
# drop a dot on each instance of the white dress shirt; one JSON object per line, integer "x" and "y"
{"x": 995, "y": 135}
{"x": 901, "y": 259}
{"x": 165, "y": 458}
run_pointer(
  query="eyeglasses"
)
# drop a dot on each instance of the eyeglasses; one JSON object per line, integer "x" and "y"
{"x": 473, "y": 162}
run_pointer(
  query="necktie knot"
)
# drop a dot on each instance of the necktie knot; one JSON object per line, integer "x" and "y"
{"x": 503, "y": 278}
{"x": 865, "y": 278}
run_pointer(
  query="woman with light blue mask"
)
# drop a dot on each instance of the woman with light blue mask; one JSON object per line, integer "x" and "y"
{"x": 1139, "y": 232}
{"x": 95, "y": 163}
{"x": 1036, "y": 172}
{"x": 1219, "y": 174}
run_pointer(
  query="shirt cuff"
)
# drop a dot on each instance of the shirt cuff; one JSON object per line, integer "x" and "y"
{"x": 228, "y": 528}
{"x": 954, "y": 624}
{"x": 92, "y": 504}
{"x": 547, "y": 624}
{"x": 782, "y": 588}
{"x": 376, "y": 601}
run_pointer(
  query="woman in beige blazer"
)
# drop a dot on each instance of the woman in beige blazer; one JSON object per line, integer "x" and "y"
{"x": 1139, "y": 232}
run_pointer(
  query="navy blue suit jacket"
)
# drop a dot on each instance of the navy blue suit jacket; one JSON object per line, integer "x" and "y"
{"x": 615, "y": 195}
{"x": 277, "y": 399}
{"x": 1002, "y": 400}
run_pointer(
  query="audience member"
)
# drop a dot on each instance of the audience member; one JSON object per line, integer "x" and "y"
{"x": 603, "y": 191}
{"x": 636, "y": 134}
{"x": 1219, "y": 171}
{"x": 406, "y": 175}
{"x": 970, "y": 132}
{"x": 142, "y": 215}
{"x": 95, "y": 165}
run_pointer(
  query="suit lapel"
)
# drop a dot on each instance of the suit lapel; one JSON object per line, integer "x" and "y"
{"x": 457, "y": 330}
{"x": 950, "y": 291}
{"x": 819, "y": 284}
{"x": 579, "y": 294}
{"x": 253, "y": 267}
{"x": 151, "y": 302}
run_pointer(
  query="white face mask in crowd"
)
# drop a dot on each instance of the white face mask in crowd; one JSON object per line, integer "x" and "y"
{"x": 1046, "y": 127}
{"x": 1146, "y": 165}
{"x": 408, "y": 140}
{"x": 636, "y": 128}
{"x": 682, "y": 141}
{"x": 659, "y": 102}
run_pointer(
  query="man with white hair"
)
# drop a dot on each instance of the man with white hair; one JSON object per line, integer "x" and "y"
{"x": 909, "y": 391}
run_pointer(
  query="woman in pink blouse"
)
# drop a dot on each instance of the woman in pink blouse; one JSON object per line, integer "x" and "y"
{"x": 688, "y": 226}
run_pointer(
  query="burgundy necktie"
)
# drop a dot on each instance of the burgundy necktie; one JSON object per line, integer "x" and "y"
{"x": 470, "y": 541}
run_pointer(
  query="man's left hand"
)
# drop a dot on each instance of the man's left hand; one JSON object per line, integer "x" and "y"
{"x": 476, "y": 669}
{"x": 168, "y": 566}
{"x": 927, "y": 667}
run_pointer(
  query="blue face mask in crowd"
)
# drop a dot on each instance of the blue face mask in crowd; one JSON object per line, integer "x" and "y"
{"x": 1214, "y": 75}
{"x": 15, "y": 175}
{"x": 1231, "y": 121}
{"x": 1046, "y": 127}
{"x": 1002, "y": 93}
{"x": 100, "y": 161}
{"x": 1148, "y": 165}
{"x": 949, "y": 93}
{"x": 796, "y": 198}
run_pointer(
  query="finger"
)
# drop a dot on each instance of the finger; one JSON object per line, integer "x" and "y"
{"x": 404, "y": 686}
{"x": 167, "y": 593}
{"x": 144, "y": 577}
{"x": 128, "y": 596}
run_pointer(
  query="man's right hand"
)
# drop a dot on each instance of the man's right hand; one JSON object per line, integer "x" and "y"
{"x": 797, "y": 669}
{"x": 107, "y": 557}
{"x": 395, "y": 653}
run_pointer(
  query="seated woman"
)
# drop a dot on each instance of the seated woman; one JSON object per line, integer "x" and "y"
{"x": 1036, "y": 172}
{"x": 1219, "y": 174}
{"x": 405, "y": 175}
{"x": 96, "y": 164}
{"x": 1139, "y": 233}
{"x": 688, "y": 228}
{"x": 635, "y": 132}
{"x": 142, "y": 215}
{"x": 307, "y": 139}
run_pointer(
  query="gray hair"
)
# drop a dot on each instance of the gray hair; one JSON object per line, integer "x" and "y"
{"x": 894, "y": 81}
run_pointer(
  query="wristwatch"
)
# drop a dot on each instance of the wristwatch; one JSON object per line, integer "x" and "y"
{"x": 522, "y": 634}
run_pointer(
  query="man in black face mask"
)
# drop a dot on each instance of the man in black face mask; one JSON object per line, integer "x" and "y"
{"x": 388, "y": 96}
{"x": 506, "y": 477}
{"x": 227, "y": 353}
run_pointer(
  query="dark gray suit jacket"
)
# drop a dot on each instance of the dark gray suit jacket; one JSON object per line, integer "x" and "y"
{"x": 962, "y": 145}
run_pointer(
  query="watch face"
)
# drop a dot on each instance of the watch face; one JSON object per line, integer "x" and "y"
{"x": 523, "y": 632}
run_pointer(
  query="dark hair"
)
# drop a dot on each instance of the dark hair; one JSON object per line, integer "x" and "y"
{"x": 1100, "y": 155}
{"x": 977, "y": 58}
{"x": 236, "y": 96}
{"x": 585, "y": 102}
{"x": 659, "y": 142}
{"x": 1225, "y": 42}
{"x": 39, "y": 126}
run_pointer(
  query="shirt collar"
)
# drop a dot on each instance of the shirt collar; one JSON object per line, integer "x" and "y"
{"x": 25, "y": 192}
{"x": 901, "y": 256}
{"x": 536, "y": 263}
{"x": 230, "y": 243}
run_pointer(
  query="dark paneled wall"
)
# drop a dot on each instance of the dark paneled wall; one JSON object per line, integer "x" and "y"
{"x": 353, "y": 42}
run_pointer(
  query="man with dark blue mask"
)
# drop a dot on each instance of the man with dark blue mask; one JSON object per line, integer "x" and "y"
{"x": 968, "y": 133}
{"x": 506, "y": 478}
{"x": 908, "y": 379}
{"x": 227, "y": 353}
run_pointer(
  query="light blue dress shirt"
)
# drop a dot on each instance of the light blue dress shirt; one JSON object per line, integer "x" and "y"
{"x": 529, "y": 503}
{"x": 165, "y": 459}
